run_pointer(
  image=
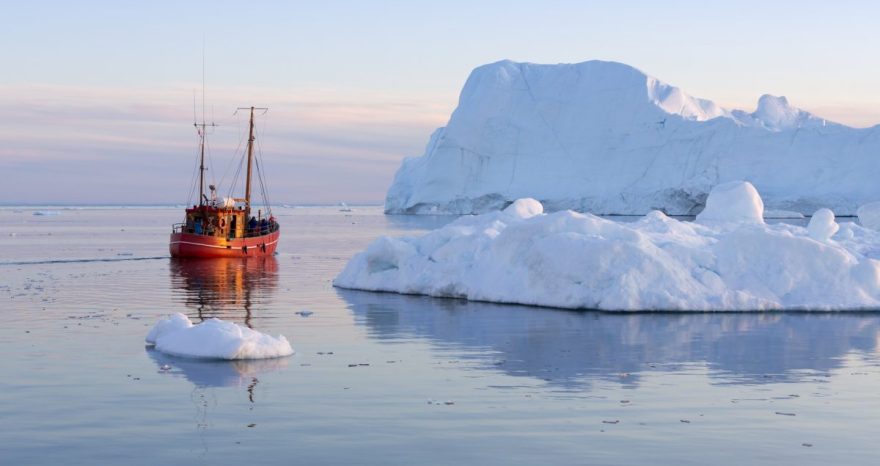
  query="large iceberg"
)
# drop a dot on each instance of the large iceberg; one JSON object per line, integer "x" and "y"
{"x": 605, "y": 138}
{"x": 728, "y": 259}
{"x": 214, "y": 339}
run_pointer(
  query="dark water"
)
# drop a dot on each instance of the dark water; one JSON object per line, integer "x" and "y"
{"x": 388, "y": 379}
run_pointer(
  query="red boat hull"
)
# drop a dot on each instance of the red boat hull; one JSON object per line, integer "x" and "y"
{"x": 202, "y": 246}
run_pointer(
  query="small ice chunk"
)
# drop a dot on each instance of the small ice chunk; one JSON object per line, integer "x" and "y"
{"x": 214, "y": 339}
{"x": 869, "y": 215}
{"x": 733, "y": 202}
{"x": 822, "y": 226}
{"x": 525, "y": 208}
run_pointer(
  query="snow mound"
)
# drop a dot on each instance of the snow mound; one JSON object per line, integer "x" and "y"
{"x": 869, "y": 215}
{"x": 214, "y": 339}
{"x": 606, "y": 138}
{"x": 728, "y": 260}
{"x": 525, "y": 208}
{"x": 736, "y": 201}
{"x": 822, "y": 225}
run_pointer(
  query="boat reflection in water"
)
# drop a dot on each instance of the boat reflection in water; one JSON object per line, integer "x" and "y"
{"x": 225, "y": 288}
{"x": 228, "y": 289}
{"x": 575, "y": 349}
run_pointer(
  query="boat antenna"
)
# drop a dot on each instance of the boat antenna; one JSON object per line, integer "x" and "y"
{"x": 250, "y": 157}
{"x": 201, "y": 130}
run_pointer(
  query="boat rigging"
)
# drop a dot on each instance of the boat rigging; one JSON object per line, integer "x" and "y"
{"x": 227, "y": 228}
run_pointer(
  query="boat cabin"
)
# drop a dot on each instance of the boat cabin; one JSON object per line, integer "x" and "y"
{"x": 226, "y": 222}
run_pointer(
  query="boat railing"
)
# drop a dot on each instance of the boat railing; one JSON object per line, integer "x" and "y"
{"x": 262, "y": 230}
{"x": 249, "y": 233}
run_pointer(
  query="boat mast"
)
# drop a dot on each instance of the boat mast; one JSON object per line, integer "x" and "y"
{"x": 250, "y": 160}
{"x": 250, "y": 149}
{"x": 202, "y": 130}
{"x": 201, "y": 163}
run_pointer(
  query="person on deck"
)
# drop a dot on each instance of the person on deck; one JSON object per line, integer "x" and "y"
{"x": 252, "y": 225}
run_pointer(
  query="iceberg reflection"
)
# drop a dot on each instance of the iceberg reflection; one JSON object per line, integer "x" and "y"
{"x": 572, "y": 348}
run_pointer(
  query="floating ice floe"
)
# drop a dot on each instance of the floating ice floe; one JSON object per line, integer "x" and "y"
{"x": 214, "y": 339}
{"x": 728, "y": 259}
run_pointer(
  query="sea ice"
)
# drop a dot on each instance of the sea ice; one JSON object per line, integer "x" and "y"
{"x": 214, "y": 339}
{"x": 728, "y": 259}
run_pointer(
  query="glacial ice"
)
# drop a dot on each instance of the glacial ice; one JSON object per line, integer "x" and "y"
{"x": 214, "y": 339}
{"x": 869, "y": 215}
{"x": 726, "y": 260}
{"x": 605, "y": 138}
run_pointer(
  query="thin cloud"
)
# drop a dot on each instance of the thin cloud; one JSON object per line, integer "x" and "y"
{"x": 85, "y": 144}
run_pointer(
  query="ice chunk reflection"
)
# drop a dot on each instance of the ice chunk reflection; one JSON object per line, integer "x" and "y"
{"x": 216, "y": 373}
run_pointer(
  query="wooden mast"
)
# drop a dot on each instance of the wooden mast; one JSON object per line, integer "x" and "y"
{"x": 250, "y": 155}
{"x": 202, "y": 129}
{"x": 250, "y": 159}
{"x": 201, "y": 162}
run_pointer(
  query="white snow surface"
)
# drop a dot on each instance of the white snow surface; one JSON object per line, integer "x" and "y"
{"x": 730, "y": 260}
{"x": 822, "y": 225}
{"x": 605, "y": 138}
{"x": 214, "y": 339}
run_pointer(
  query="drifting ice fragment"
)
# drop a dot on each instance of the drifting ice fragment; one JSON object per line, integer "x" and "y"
{"x": 214, "y": 339}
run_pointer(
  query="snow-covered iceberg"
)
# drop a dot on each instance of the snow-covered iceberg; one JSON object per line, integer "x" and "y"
{"x": 728, "y": 259}
{"x": 214, "y": 339}
{"x": 605, "y": 138}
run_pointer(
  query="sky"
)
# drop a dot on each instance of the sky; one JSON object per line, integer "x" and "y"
{"x": 97, "y": 98}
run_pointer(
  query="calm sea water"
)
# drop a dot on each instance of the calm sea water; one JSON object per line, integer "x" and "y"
{"x": 394, "y": 380}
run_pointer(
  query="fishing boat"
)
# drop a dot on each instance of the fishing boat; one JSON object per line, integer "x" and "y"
{"x": 228, "y": 227}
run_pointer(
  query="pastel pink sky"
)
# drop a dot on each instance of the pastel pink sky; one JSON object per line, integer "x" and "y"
{"x": 96, "y": 98}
